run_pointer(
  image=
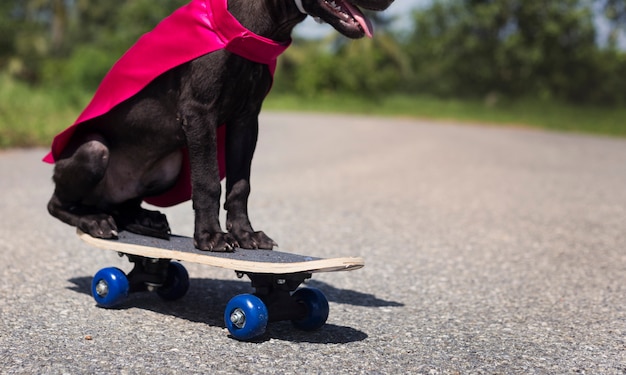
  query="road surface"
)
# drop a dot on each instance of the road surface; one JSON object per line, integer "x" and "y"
{"x": 488, "y": 250}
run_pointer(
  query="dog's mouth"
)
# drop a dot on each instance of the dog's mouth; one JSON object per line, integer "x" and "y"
{"x": 350, "y": 16}
{"x": 343, "y": 15}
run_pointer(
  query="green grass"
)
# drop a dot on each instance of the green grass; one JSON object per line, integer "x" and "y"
{"x": 31, "y": 117}
{"x": 522, "y": 113}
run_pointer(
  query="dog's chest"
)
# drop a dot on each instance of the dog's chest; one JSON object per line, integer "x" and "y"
{"x": 248, "y": 81}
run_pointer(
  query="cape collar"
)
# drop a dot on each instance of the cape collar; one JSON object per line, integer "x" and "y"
{"x": 237, "y": 38}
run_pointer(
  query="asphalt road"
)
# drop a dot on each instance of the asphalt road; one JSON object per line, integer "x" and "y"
{"x": 488, "y": 250}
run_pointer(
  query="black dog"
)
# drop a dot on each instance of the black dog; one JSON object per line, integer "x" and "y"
{"x": 114, "y": 161}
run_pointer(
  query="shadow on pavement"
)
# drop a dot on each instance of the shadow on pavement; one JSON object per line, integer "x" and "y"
{"x": 351, "y": 297}
{"x": 206, "y": 299}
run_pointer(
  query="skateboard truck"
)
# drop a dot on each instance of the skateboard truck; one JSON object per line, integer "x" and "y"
{"x": 148, "y": 274}
{"x": 170, "y": 280}
{"x": 275, "y": 291}
{"x": 276, "y": 298}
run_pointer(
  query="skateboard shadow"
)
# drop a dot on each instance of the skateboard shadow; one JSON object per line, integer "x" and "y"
{"x": 205, "y": 301}
{"x": 350, "y": 297}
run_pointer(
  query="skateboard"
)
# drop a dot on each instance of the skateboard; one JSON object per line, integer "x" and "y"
{"x": 274, "y": 275}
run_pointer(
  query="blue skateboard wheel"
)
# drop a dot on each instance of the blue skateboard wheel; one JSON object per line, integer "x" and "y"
{"x": 109, "y": 287}
{"x": 177, "y": 283}
{"x": 317, "y": 309}
{"x": 246, "y": 317}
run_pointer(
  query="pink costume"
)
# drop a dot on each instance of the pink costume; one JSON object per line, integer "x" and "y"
{"x": 196, "y": 29}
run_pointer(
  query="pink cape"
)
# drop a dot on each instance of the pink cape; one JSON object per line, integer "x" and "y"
{"x": 196, "y": 29}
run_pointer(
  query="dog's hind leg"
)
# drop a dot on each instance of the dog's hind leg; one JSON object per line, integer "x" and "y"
{"x": 75, "y": 178}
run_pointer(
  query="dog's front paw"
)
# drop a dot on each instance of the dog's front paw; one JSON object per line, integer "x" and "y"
{"x": 100, "y": 226}
{"x": 254, "y": 240}
{"x": 219, "y": 242}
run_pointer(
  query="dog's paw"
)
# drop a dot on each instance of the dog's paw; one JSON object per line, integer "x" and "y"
{"x": 154, "y": 220}
{"x": 147, "y": 223}
{"x": 219, "y": 242}
{"x": 100, "y": 226}
{"x": 254, "y": 240}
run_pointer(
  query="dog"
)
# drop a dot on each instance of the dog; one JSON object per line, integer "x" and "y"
{"x": 178, "y": 112}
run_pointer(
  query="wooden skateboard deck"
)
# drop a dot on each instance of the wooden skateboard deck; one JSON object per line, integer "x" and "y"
{"x": 275, "y": 276}
{"x": 253, "y": 261}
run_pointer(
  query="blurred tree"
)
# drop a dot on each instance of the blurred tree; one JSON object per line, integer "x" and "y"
{"x": 8, "y": 27}
{"x": 490, "y": 48}
{"x": 615, "y": 12}
{"x": 100, "y": 34}
{"x": 468, "y": 48}
{"x": 22, "y": 38}
{"x": 366, "y": 67}
{"x": 72, "y": 41}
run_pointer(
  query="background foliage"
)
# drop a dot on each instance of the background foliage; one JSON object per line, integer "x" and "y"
{"x": 458, "y": 48}
{"x": 481, "y": 60}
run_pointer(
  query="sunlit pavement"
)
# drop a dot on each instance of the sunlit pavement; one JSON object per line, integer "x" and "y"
{"x": 488, "y": 250}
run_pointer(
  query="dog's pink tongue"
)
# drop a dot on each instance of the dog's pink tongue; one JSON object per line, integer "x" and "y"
{"x": 365, "y": 23}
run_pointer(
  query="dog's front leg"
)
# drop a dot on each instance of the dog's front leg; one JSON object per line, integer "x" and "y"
{"x": 201, "y": 134}
{"x": 241, "y": 138}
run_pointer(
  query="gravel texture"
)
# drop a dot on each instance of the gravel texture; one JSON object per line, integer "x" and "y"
{"x": 488, "y": 250}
